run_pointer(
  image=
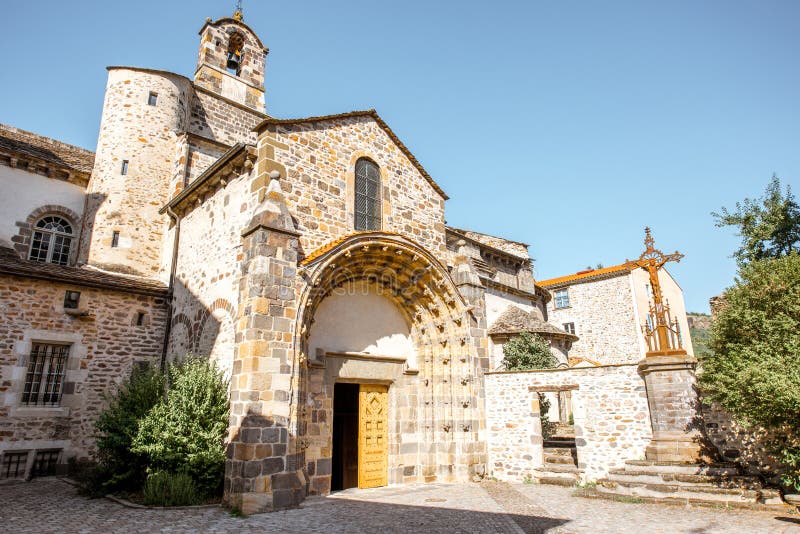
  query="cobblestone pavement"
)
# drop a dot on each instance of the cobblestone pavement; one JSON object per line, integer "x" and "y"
{"x": 51, "y": 505}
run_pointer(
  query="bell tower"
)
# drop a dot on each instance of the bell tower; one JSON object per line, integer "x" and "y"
{"x": 231, "y": 61}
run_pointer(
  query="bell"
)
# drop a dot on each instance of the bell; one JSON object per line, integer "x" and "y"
{"x": 234, "y": 61}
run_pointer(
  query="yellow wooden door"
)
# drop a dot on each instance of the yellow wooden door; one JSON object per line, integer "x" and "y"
{"x": 373, "y": 438}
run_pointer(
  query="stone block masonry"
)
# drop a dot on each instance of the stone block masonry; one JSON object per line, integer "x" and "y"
{"x": 612, "y": 421}
{"x": 105, "y": 340}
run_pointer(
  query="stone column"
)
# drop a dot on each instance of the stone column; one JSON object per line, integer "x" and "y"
{"x": 261, "y": 473}
{"x": 674, "y": 416}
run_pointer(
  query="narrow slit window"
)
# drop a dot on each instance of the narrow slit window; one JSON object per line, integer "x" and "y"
{"x": 152, "y": 99}
{"x": 140, "y": 317}
{"x": 115, "y": 239}
{"x": 124, "y": 169}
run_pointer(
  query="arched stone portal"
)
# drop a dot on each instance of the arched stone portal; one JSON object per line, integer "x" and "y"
{"x": 434, "y": 403}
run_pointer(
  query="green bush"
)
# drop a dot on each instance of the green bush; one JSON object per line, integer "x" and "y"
{"x": 548, "y": 428}
{"x": 753, "y": 366}
{"x": 184, "y": 433}
{"x": 121, "y": 469}
{"x": 528, "y": 351}
{"x": 170, "y": 489}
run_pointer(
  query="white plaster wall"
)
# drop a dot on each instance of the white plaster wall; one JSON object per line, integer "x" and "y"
{"x": 23, "y": 192}
{"x": 356, "y": 318}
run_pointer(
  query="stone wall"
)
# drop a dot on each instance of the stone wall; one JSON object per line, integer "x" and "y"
{"x": 612, "y": 421}
{"x": 317, "y": 162}
{"x": 146, "y": 136}
{"x": 748, "y": 447}
{"x": 605, "y": 321}
{"x": 104, "y": 345}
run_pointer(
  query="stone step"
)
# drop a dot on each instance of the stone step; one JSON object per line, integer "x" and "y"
{"x": 559, "y": 468}
{"x": 646, "y": 466}
{"x": 644, "y": 477}
{"x": 559, "y": 459}
{"x": 689, "y": 493}
{"x": 561, "y": 451}
{"x": 557, "y": 481}
{"x": 553, "y": 443}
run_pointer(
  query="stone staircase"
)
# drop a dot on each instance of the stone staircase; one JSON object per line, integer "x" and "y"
{"x": 715, "y": 484}
{"x": 560, "y": 462}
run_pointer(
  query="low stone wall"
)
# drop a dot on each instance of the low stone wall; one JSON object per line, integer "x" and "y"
{"x": 609, "y": 404}
{"x": 747, "y": 447}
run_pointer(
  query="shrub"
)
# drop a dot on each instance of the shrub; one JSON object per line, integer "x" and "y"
{"x": 184, "y": 433}
{"x": 120, "y": 468}
{"x": 753, "y": 367}
{"x": 170, "y": 489}
{"x": 548, "y": 428}
{"x": 528, "y": 351}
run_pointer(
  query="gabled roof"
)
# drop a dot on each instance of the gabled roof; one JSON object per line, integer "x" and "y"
{"x": 46, "y": 149}
{"x": 589, "y": 275}
{"x": 364, "y": 113}
{"x": 514, "y": 321}
{"x": 501, "y": 245}
{"x": 12, "y": 264}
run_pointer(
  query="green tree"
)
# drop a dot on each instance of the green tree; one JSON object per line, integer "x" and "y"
{"x": 119, "y": 467}
{"x": 753, "y": 366}
{"x": 184, "y": 432}
{"x": 769, "y": 226}
{"x": 528, "y": 351}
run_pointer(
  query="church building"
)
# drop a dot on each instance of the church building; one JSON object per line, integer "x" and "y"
{"x": 309, "y": 258}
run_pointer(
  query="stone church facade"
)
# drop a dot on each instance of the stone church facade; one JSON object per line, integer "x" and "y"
{"x": 309, "y": 258}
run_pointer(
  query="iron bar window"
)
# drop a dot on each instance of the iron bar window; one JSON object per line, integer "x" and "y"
{"x": 367, "y": 196}
{"x": 45, "y": 377}
{"x": 44, "y": 465}
{"x": 14, "y": 464}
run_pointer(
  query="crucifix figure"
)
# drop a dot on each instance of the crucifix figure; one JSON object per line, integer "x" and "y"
{"x": 664, "y": 338}
{"x": 238, "y": 15}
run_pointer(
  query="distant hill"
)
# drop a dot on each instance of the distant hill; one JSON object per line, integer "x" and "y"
{"x": 699, "y": 324}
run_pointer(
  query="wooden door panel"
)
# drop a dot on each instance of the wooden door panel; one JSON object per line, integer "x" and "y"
{"x": 373, "y": 443}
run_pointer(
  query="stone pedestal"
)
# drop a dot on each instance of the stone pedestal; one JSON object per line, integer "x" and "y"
{"x": 670, "y": 381}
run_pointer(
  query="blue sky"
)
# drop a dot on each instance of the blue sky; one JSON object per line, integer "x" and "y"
{"x": 566, "y": 125}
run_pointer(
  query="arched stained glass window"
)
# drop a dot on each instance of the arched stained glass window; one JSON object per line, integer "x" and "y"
{"x": 52, "y": 238}
{"x": 367, "y": 195}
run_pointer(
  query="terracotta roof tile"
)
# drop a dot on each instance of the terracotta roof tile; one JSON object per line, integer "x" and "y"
{"x": 46, "y": 149}
{"x": 585, "y": 276}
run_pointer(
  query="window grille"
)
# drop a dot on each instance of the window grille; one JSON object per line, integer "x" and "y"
{"x": 14, "y": 464}
{"x": 52, "y": 238}
{"x": 45, "y": 376}
{"x": 561, "y": 298}
{"x": 71, "y": 300}
{"x": 44, "y": 465}
{"x": 570, "y": 327}
{"x": 367, "y": 196}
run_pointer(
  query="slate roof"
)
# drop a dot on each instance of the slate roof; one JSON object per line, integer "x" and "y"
{"x": 46, "y": 149}
{"x": 12, "y": 264}
{"x": 515, "y": 320}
